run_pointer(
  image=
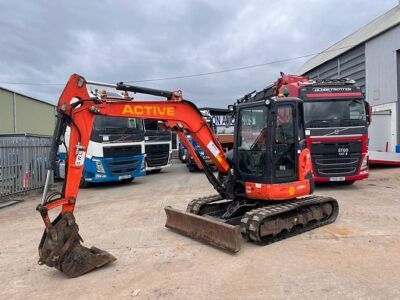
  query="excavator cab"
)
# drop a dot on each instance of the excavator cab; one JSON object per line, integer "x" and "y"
{"x": 270, "y": 173}
{"x": 265, "y": 150}
{"x": 269, "y": 140}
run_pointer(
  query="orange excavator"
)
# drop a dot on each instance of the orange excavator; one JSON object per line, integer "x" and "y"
{"x": 263, "y": 184}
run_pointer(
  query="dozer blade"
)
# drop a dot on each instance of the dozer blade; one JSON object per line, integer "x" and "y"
{"x": 60, "y": 247}
{"x": 207, "y": 230}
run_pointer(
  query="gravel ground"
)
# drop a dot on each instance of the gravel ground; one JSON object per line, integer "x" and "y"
{"x": 356, "y": 257}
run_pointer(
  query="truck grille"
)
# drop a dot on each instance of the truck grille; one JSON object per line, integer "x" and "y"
{"x": 158, "y": 138}
{"x": 157, "y": 159}
{"x": 335, "y": 159}
{"x": 157, "y": 155}
{"x": 119, "y": 167}
{"x": 120, "y": 151}
{"x": 157, "y": 148}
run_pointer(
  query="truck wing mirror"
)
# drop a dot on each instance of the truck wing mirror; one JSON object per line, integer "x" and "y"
{"x": 228, "y": 121}
{"x": 229, "y": 118}
{"x": 368, "y": 110}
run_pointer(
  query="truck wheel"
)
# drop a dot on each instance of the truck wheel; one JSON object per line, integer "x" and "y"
{"x": 127, "y": 180}
{"x": 349, "y": 182}
{"x": 83, "y": 183}
{"x": 192, "y": 168}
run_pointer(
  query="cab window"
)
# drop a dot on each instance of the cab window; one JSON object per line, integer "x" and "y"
{"x": 285, "y": 151}
{"x": 252, "y": 136}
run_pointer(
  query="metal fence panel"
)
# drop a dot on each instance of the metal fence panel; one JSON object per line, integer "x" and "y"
{"x": 23, "y": 162}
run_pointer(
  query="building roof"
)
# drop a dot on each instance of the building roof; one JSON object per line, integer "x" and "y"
{"x": 374, "y": 28}
{"x": 24, "y": 95}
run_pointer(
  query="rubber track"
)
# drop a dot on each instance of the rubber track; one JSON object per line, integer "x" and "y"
{"x": 251, "y": 222}
{"x": 195, "y": 205}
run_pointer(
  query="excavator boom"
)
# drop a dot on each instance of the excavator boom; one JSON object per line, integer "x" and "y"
{"x": 61, "y": 245}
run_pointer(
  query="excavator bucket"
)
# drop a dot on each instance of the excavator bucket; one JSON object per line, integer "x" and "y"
{"x": 60, "y": 247}
{"x": 207, "y": 230}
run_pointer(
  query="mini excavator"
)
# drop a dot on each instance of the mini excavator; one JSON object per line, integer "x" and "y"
{"x": 263, "y": 185}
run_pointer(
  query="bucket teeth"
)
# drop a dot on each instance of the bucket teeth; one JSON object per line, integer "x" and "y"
{"x": 60, "y": 247}
{"x": 207, "y": 230}
{"x": 81, "y": 260}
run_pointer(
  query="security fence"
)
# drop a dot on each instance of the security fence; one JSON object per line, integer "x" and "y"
{"x": 23, "y": 162}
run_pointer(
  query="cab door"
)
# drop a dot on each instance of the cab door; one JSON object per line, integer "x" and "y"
{"x": 285, "y": 142}
{"x": 251, "y": 142}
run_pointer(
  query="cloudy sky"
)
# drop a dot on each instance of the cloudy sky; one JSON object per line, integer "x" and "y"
{"x": 112, "y": 41}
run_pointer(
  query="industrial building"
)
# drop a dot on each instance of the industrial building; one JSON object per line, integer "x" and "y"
{"x": 20, "y": 113}
{"x": 371, "y": 56}
{"x": 26, "y": 124}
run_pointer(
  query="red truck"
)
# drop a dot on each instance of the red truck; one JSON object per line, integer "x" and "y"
{"x": 337, "y": 117}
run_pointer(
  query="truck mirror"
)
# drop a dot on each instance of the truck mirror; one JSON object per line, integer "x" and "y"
{"x": 368, "y": 110}
{"x": 229, "y": 118}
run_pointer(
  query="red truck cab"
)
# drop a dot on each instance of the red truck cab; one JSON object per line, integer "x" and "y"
{"x": 336, "y": 125}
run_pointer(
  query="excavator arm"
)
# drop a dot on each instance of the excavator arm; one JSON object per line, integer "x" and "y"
{"x": 60, "y": 245}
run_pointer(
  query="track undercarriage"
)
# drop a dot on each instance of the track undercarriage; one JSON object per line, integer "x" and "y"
{"x": 221, "y": 222}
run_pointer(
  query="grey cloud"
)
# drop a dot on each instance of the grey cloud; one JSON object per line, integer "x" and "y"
{"x": 46, "y": 41}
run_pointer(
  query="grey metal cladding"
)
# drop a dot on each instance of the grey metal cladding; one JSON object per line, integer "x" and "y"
{"x": 380, "y": 55}
{"x": 332, "y": 73}
{"x": 328, "y": 69}
{"x": 313, "y": 74}
{"x": 352, "y": 53}
{"x": 350, "y": 64}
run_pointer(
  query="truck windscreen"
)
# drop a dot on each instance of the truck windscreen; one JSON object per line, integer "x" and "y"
{"x": 154, "y": 127}
{"x": 327, "y": 113}
{"x": 117, "y": 125}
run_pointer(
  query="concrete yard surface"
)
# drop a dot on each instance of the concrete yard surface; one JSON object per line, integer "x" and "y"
{"x": 357, "y": 257}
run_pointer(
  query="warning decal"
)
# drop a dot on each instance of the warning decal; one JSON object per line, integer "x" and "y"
{"x": 214, "y": 150}
{"x": 80, "y": 158}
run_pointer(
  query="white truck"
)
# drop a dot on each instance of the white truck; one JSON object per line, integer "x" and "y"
{"x": 116, "y": 151}
{"x": 158, "y": 146}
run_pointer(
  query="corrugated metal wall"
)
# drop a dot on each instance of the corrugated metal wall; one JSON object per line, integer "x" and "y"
{"x": 377, "y": 61}
{"x": 34, "y": 116}
{"x": 22, "y": 114}
{"x": 350, "y": 64}
{"x": 383, "y": 71}
{"x": 382, "y": 67}
{"x": 6, "y": 112}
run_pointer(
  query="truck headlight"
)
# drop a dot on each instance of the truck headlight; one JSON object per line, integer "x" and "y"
{"x": 364, "y": 164}
{"x": 99, "y": 166}
{"x": 143, "y": 165}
